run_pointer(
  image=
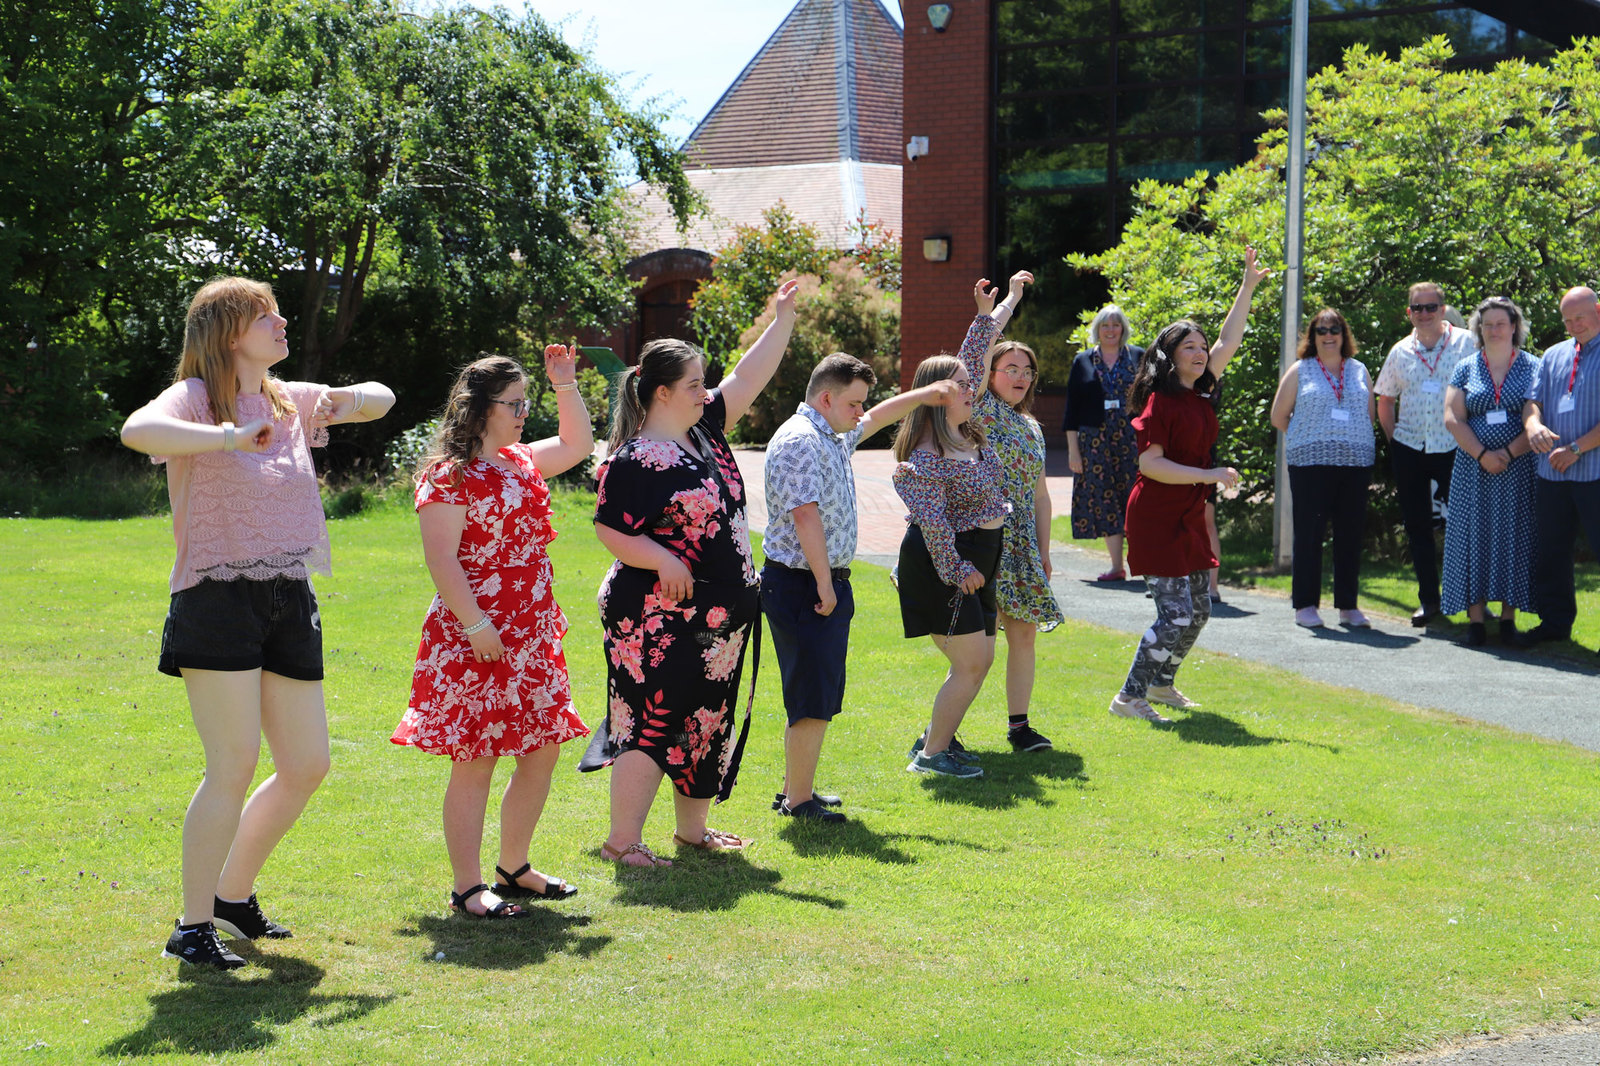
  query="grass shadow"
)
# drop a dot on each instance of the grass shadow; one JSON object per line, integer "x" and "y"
{"x": 1205, "y": 727}
{"x": 856, "y": 839}
{"x": 1011, "y": 779}
{"x": 507, "y": 945}
{"x": 216, "y": 1012}
{"x": 705, "y": 881}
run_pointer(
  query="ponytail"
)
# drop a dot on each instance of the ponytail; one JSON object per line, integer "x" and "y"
{"x": 662, "y": 362}
{"x": 628, "y": 412}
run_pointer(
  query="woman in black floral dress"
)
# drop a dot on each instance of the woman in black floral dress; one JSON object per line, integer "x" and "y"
{"x": 679, "y": 603}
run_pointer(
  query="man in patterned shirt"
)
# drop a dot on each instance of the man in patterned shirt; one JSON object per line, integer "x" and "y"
{"x": 1563, "y": 422}
{"x": 1421, "y": 450}
{"x": 809, "y": 545}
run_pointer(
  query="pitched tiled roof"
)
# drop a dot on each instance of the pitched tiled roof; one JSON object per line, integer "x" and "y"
{"x": 825, "y": 87}
{"x": 827, "y": 195}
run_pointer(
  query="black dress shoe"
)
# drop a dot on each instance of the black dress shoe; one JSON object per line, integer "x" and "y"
{"x": 1508, "y": 632}
{"x": 813, "y": 811}
{"x": 1477, "y": 635}
{"x": 1424, "y": 614}
{"x": 1540, "y": 633}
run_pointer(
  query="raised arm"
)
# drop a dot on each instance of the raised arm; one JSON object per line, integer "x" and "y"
{"x": 992, "y": 318}
{"x": 574, "y": 439}
{"x": 892, "y": 410}
{"x": 1232, "y": 332}
{"x": 746, "y": 380}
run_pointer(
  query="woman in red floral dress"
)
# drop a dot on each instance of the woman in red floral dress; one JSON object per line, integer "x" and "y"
{"x": 679, "y": 603}
{"x": 491, "y": 676}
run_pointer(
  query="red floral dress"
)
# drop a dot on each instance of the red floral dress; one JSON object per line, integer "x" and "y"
{"x": 672, "y": 677}
{"x": 467, "y": 709}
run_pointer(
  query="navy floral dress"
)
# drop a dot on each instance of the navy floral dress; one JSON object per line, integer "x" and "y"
{"x": 673, "y": 667}
{"x": 1110, "y": 459}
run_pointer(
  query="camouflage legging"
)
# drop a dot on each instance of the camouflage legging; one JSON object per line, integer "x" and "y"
{"x": 1183, "y": 605}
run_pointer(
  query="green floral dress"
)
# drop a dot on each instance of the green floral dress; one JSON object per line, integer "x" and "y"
{"x": 1022, "y": 590}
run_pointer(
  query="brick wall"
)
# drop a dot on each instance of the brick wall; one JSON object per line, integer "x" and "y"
{"x": 948, "y": 92}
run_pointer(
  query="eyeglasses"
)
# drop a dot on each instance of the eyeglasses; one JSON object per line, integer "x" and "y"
{"x": 1018, "y": 373}
{"x": 965, "y": 385}
{"x": 1426, "y": 309}
{"x": 1329, "y": 331}
{"x": 519, "y": 408}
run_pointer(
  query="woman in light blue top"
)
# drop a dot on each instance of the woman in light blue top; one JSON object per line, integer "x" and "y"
{"x": 1324, "y": 407}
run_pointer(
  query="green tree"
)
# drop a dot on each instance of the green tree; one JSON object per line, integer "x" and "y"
{"x": 1477, "y": 179}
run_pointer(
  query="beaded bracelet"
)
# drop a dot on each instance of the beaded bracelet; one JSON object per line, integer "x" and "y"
{"x": 482, "y": 623}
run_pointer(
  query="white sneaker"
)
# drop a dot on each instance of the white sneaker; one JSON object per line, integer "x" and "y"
{"x": 1137, "y": 707}
{"x": 1354, "y": 619}
{"x": 1308, "y": 618}
{"x": 1171, "y": 697}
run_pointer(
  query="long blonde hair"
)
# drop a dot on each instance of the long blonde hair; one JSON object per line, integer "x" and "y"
{"x": 219, "y": 313}
{"x": 925, "y": 419}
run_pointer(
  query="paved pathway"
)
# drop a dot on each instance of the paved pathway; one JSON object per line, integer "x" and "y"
{"x": 1537, "y": 694}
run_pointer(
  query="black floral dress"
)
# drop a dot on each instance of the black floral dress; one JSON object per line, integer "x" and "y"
{"x": 673, "y": 667}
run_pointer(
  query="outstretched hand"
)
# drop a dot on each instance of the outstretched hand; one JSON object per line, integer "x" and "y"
{"x": 787, "y": 298}
{"x": 1253, "y": 274}
{"x": 985, "y": 296}
{"x": 1018, "y": 280}
{"x": 561, "y": 363}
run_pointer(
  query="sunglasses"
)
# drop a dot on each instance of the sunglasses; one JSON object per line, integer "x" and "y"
{"x": 1329, "y": 331}
{"x": 519, "y": 408}
{"x": 1425, "y": 309}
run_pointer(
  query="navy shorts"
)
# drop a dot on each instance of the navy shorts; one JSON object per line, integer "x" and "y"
{"x": 811, "y": 649}
{"x": 245, "y": 625}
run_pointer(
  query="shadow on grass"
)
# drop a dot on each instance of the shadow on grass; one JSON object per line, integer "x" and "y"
{"x": 1204, "y": 727}
{"x": 1011, "y": 779}
{"x": 705, "y": 881}
{"x": 506, "y": 945}
{"x": 215, "y": 1012}
{"x": 857, "y": 840}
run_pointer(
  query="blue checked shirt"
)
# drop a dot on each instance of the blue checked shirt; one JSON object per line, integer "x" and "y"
{"x": 807, "y": 462}
{"x": 1550, "y": 388}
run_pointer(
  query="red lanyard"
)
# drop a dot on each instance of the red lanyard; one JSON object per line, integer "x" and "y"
{"x": 1572, "y": 378}
{"x": 1444, "y": 341}
{"x": 1338, "y": 390}
{"x": 1490, "y": 373}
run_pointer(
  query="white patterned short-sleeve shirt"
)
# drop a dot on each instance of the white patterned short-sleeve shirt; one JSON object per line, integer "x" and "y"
{"x": 1417, "y": 377}
{"x": 807, "y": 462}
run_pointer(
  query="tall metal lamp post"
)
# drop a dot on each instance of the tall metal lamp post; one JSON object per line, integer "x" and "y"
{"x": 1293, "y": 247}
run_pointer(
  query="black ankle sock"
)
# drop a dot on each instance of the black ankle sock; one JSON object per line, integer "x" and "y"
{"x": 1018, "y": 720}
{"x": 192, "y": 928}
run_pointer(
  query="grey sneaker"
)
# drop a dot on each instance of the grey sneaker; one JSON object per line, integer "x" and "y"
{"x": 1137, "y": 707}
{"x": 958, "y": 751}
{"x": 944, "y": 764}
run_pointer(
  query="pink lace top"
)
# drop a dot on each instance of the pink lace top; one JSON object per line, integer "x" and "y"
{"x": 252, "y": 515}
{"x": 947, "y": 496}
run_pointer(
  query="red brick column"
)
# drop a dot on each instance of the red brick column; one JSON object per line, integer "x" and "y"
{"x": 948, "y": 98}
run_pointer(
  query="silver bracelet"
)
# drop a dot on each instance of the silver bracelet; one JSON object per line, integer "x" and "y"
{"x": 567, "y": 386}
{"x": 227, "y": 437}
{"x": 358, "y": 399}
{"x": 480, "y": 624}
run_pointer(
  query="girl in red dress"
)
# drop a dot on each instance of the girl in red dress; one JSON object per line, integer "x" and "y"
{"x": 491, "y": 676}
{"x": 1166, "y": 525}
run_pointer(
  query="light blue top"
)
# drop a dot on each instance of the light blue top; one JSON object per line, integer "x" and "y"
{"x": 1549, "y": 392}
{"x": 1317, "y": 435}
{"x": 807, "y": 462}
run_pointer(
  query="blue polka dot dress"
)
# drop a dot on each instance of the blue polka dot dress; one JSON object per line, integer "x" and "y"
{"x": 1489, "y": 538}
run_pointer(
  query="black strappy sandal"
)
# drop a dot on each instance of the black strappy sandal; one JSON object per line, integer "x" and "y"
{"x": 511, "y": 888}
{"x": 502, "y": 910}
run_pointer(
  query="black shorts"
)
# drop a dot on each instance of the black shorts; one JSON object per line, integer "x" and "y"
{"x": 928, "y": 605}
{"x": 811, "y": 649}
{"x": 245, "y": 625}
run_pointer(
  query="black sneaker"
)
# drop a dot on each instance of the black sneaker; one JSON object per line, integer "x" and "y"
{"x": 821, "y": 797}
{"x": 1026, "y": 738}
{"x": 245, "y": 920}
{"x": 811, "y": 810}
{"x": 201, "y": 946}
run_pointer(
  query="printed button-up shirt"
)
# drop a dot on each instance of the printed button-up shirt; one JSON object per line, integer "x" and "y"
{"x": 1417, "y": 377}
{"x": 807, "y": 462}
{"x": 1550, "y": 389}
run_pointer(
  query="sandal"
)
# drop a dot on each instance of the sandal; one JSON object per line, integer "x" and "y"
{"x": 714, "y": 840}
{"x": 512, "y": 888}
{"x": 501, "y": 910}
{"x": 1113, "y": 575}
{"x": 620, "y": 856}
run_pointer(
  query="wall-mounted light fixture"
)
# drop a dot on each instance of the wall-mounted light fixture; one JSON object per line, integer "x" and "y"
{"x": 936, "y": 249}
{"x": 939, "y": 16}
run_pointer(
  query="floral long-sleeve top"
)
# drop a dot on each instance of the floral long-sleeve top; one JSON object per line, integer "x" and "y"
{"x": 948, "y": 496}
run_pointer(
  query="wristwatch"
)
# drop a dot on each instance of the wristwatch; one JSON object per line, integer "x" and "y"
{"x": 1574, "y": 448}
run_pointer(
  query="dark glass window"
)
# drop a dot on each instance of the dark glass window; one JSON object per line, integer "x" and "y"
{"x": 1054, "y": 67}
{"x": 1035, "y": 233}
{"x": 1157, "y": 16}
{"x": 1041, "y": 118}
{"x": 1023, "y": 21}
{"x": 1182, "y": 58}
{"x": 1066, "y": 167}
{"x": 1175, "y": 158}
{"x": 1193, "y": 107}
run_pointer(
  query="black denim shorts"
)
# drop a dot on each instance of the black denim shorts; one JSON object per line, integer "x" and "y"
{"x": 245, "y": 625}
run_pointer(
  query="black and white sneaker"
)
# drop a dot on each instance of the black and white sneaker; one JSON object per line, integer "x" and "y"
{"x": 1027, "y": 738}
{"x": 201, "y": 946}
{"x": 245, "y": 920}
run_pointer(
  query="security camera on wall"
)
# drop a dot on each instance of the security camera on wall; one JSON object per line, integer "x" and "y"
{"x": 916, "y": 146}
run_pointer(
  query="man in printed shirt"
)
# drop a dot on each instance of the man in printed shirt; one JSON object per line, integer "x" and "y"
{"x": 1421, "y": 450}
{"x": 1562, "y": 417}
{"x": 809, "y": 544}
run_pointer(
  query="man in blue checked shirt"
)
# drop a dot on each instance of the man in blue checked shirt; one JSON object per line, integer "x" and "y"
{"x": 809, "y": 544}
{"x": 1563, "y": 421}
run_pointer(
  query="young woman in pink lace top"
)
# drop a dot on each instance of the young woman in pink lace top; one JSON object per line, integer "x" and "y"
{"x": 243, "y": 629}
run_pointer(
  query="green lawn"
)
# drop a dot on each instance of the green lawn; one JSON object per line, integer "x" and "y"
{"x": 1294, "y": 874}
